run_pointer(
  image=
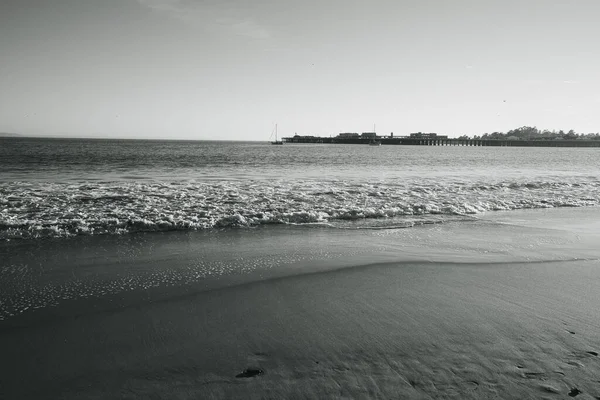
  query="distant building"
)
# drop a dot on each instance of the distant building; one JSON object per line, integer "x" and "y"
{"x": 296, "y": 136}
{"x": 348, "y": 135}
{"x": 303, "y": 139}
{"x": 368, "y": 135}
{"x": 421, "y": 135}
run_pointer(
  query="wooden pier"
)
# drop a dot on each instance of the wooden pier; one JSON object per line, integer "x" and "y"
{"x": 445, "y": 142}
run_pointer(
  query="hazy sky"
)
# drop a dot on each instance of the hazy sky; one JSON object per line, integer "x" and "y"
{"x": 231, "y": 69}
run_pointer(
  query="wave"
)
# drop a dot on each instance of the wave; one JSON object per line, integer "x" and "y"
{"x": 39, "y": 210}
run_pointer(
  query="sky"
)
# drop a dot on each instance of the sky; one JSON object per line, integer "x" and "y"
{"x": 232, "y": 69}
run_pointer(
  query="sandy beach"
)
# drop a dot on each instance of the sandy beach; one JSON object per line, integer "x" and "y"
{"x": 205, "y": 199}
{"x": 520, "y": 321}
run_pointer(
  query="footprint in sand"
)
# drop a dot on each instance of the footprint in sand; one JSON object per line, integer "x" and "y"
{"x": 549, "y": 389}
{"x": 575, "y": 363}
{"x": 531, "y": 375}
{"x": 580, "y": 355}
{"x": 472, "y": 385}
{"x": 250, "y": 372}
{"x": 535, "y": 375}
{"x": 254, "y": 360}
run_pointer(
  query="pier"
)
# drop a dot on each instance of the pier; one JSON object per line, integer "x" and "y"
{"x": 443, "y": 141}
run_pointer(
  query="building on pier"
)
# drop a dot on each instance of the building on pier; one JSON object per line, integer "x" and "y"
{"x": 348, "y": 135}
{"x": 421, "y": 135}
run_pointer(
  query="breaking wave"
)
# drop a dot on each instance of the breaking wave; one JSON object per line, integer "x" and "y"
{"x": 39, "y": 210}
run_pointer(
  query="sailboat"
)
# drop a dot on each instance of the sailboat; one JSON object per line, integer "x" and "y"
{"x": 374, "y": 141}
{"x": 276, "y": 141}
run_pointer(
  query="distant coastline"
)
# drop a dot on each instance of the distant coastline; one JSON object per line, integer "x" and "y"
{"x": 520, "y": 137}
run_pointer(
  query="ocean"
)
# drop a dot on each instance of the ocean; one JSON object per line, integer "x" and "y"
{"x": 153, "y": 269}
{"x": 68, "y": 187}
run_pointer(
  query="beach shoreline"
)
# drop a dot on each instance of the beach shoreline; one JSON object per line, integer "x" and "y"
{"x": 510, "y": 314}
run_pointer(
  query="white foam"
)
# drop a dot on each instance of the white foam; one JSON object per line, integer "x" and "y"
{"x": 36, "y": 210}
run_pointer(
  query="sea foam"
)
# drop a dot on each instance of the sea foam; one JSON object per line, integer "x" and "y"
{"x": 40, "y": 209}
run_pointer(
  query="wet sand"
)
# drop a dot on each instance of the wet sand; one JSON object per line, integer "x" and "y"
{"x": 464, "y": 321}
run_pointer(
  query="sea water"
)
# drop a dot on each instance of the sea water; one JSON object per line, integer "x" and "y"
{"x": 69, "y": 187}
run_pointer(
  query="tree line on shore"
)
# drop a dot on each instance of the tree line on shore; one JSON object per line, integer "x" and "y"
{"x": 533, "y": 133}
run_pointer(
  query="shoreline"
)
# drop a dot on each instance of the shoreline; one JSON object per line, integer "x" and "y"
{"x": 503, "y": 306}
{"x": 121, "y": 269}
